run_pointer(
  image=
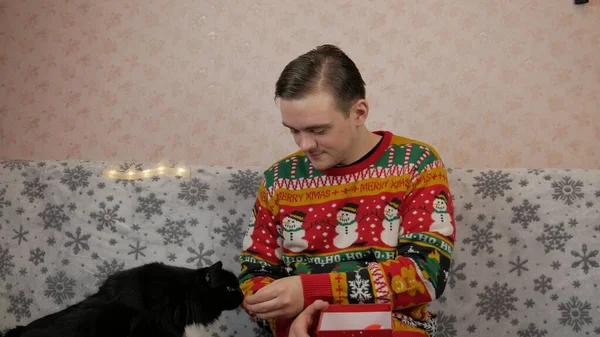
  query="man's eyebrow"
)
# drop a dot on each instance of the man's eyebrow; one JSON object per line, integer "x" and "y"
{"x": 314, "y": 126}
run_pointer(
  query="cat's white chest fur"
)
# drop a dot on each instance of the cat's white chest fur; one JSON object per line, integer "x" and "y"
{"x": 196, "y": 331}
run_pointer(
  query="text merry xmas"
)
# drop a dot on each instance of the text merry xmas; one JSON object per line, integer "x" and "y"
{"x": 357, "y": 188}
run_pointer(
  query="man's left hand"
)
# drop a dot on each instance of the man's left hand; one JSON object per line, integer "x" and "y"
{"x": 283, "y": 298}
{"x": 304, "y": 324}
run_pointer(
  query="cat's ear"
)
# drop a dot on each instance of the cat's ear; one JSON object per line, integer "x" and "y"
{"x": 217, "y": 266}
{"x": 211, "y": 276}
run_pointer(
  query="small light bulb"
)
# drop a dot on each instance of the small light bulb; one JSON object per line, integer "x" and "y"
{"x": 162, "y": 165}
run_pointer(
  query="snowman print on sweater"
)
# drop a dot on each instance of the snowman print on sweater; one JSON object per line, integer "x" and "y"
{"x": 440, "y": 216}
{"x": 347, "y": 227}
{"x": 293, "y": 233}
{"x": 247, "y": 243}
{"x": 391, "y": 223}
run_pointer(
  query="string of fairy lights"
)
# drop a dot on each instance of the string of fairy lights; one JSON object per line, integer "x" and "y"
{"x": 162, "y": 168}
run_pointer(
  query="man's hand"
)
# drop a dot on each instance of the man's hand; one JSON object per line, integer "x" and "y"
{"x": 283, "y": 298}
{"x": 303, "y": 325}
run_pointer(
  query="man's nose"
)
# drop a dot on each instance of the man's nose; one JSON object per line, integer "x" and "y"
{"x": 307, "y": 143}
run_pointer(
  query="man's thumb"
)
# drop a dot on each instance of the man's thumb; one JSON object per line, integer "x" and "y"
{"x": 318, "y": 305}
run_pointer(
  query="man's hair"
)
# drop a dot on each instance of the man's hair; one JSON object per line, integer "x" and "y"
{"x": 326, "y": 67}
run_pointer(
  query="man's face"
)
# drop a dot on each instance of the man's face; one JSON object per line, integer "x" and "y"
{"x": 320, "y": 129}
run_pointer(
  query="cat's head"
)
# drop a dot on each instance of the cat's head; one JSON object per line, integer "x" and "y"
{"x": 181, "y": 296}
{"x": 221, "y": 286}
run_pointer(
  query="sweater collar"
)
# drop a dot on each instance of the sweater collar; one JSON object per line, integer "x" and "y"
{"x": 366, "y": 162}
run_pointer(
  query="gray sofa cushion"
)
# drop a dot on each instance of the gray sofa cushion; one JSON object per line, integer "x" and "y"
{"x": 526, "y": 259}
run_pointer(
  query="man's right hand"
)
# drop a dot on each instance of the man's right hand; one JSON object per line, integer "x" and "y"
{"x": 280, "y": 298}
{"x": 304, "y": 324}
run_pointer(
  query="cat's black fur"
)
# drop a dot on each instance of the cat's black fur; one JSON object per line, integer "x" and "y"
{"x": 150, "y": 300}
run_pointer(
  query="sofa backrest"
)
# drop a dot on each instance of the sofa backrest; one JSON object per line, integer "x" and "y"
{"x": 526, "y": 259}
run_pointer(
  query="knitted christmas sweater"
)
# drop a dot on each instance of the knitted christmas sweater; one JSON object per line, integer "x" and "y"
{"x": 381, "y": 230}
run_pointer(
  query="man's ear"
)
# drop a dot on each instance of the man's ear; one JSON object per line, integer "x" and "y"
{"x": 359, "y": 112}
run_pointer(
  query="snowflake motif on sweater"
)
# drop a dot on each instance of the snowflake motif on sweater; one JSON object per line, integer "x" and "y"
{"x": 359, "y": 289}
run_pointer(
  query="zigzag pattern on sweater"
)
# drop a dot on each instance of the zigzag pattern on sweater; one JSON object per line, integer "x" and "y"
{"x": 371, "y": 172}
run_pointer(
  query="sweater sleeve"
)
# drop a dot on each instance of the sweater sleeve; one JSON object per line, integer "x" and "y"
{"x": 419, "y": 272}
{"x": 260, "y": 260}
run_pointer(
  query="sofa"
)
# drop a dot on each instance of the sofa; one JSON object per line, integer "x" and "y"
{"x": 526, "y": 259}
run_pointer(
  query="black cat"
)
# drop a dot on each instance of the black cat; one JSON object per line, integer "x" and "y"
{"x": 150, "y": 300}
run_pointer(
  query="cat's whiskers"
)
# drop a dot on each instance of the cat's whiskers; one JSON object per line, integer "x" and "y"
{"x": 190, "y": 310}
{"x": 176, "y": 314}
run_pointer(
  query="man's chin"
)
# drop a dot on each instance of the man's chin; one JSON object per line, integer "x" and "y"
{"x": 320, "y": 164}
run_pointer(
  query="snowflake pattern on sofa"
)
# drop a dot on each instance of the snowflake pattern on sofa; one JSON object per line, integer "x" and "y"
{"x": 3, "y": 202}
{"x": 526, "y": 239}
{"x": 492, "y": 184}
{"x": 575, "y": 313}
{"x": 445, "y": 325}
{"x": 6, "y": 263}
{"x": 19, "y": 306}
{"x": 174, "y": 232}
{"x": 193, "y": 192}
{"x": 567, "y": 190}
{"x": 554, "y": 237}
{"x": 497, "y": 301}
{"x": 34, "y": 189}
{"x": 525, "y": 213}
{"x": 245, "y": 183}
{"x": 59, "y": 287}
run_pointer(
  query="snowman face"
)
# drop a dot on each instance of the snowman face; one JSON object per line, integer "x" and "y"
{"x": 390, "y": 211}
{"x": 345, "y": 216}
{"x": 440, "y": 205}
{"x": 291, "y": 223}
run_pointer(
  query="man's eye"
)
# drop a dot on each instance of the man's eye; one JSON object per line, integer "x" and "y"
{"x": 319, "y": 131}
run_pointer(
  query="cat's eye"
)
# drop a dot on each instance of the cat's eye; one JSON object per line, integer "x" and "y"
{"x": 207, "y": 278}
{"x": 230, "y": 289}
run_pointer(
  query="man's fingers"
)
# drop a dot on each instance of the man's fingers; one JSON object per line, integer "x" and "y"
{"x": 271, "y": 314}
{"x": 264, "y": 307}
{"x": 320, "y": 305}
{"x": 262, "y": 295}
{"x": 309, "y": 315}
{"x": 314, "y": 307}
{"x": 299, "y": 332}
{"x": 304, "y": 322}
{"x": 300, "y": 327}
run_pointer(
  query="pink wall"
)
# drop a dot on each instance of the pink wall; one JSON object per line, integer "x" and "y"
{"x": 488, "y": 83}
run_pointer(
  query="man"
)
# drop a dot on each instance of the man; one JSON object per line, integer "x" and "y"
{"x": 353, "y": 217}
